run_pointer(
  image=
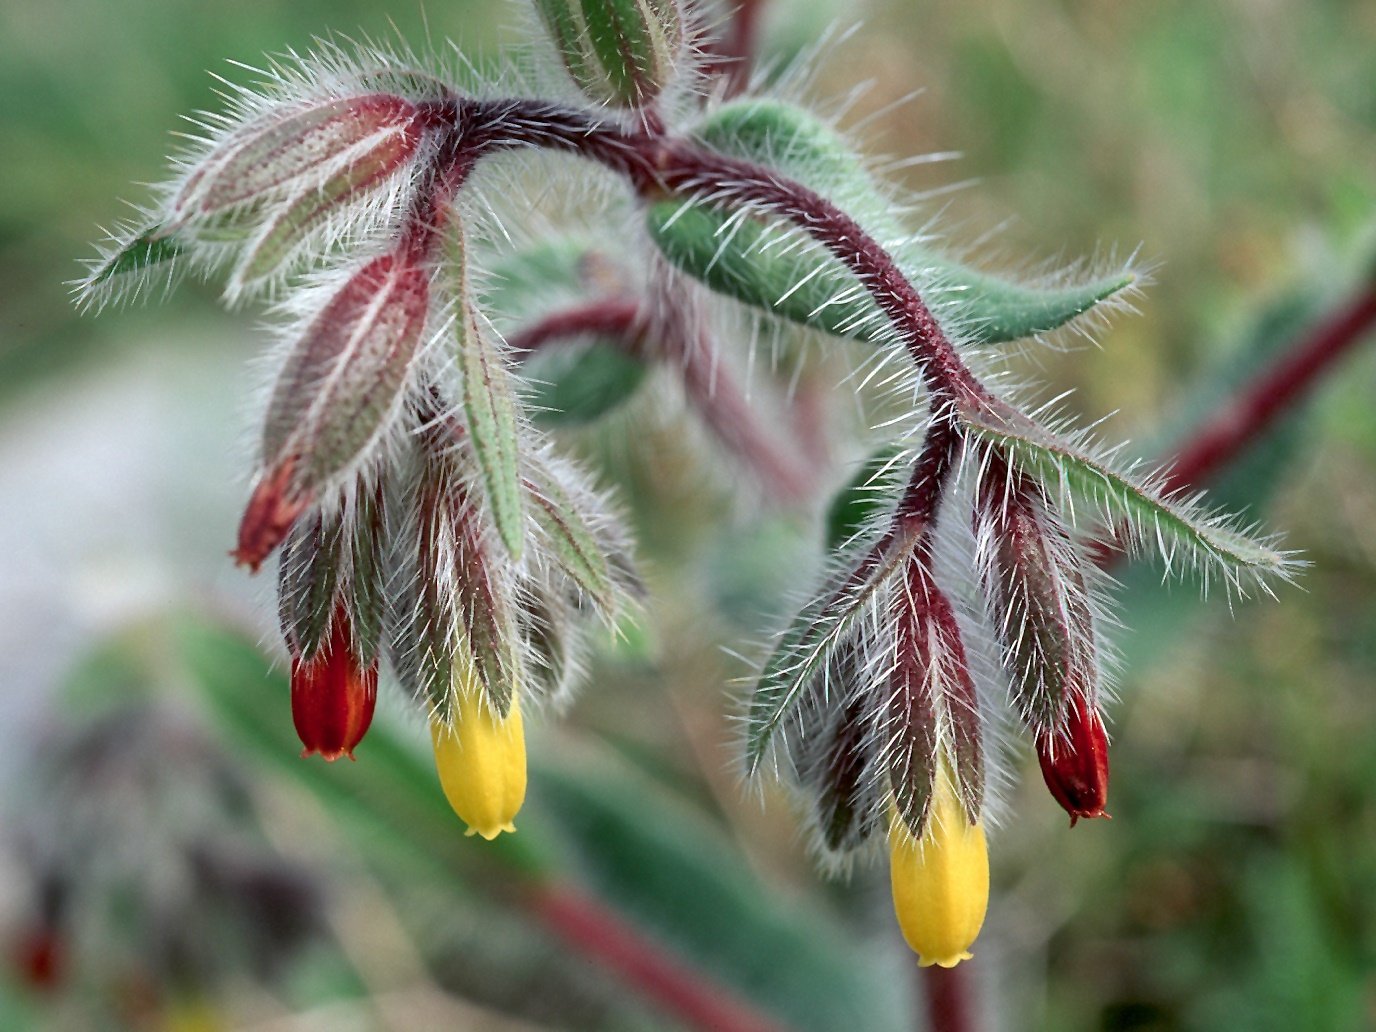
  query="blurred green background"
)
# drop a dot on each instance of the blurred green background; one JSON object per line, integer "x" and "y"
{"x": 1235, "y": 142}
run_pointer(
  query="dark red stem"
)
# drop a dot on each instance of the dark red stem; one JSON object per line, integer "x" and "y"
{"x": 600, "y": 936}
{"x": 707, "y": 384}
{"x": 1259, "y": 403}
{"x": 657, "y": 166}
{"x": 732, "y": 51}
{"x": 619, "y": 319}
{"x": 948, "y": 998}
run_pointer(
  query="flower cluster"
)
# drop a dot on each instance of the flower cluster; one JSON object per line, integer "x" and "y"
{"x": 426, "y": 525}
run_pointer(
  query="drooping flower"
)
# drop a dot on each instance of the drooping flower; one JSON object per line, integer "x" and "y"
{"x": 481, "y": 759}
{"x": 333, "y": 694}
{"x": 940, "y": 880}
{"x": 1074, "y": 762}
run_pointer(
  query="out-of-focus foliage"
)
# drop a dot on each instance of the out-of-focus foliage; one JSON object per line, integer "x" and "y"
{"x": 1236, "y": 887}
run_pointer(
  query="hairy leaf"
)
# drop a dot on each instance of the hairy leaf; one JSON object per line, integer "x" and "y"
{"x": 766, "y": 264}
{"x": 573, "y": 543}
{"x": 810, "y": 641}
{"x": 153, "y": 246}
{"x": 1170, "y": 523}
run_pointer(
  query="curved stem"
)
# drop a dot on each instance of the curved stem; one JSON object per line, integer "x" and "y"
{"x": 707, "y": 384}
{"x": 603, "y": 937}
{"x": 659, "y": 166}
{"x": 1259, "y": 403}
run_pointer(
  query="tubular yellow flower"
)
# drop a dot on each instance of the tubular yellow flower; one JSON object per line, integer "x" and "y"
{"x": 940, "y": 881}
{"x": 482, "y": 764}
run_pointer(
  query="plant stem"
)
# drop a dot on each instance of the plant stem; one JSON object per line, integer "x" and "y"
{"x": 599, "y": 935}
{"x": 733, "y": 49}
{"x": 707, "y": 383}
{"x": 946, "y": 992}
{"x": 1241, "y": 420}
{"x": 618, "y": 319}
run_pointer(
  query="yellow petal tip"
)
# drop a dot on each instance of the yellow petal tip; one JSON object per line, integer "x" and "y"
{"x": 944, "y": 962}
{"x": 490, "y": 833}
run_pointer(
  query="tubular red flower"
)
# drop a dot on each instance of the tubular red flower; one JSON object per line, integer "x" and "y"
{"x": 332, "y": 695}
{"x": 1075, "y": 762}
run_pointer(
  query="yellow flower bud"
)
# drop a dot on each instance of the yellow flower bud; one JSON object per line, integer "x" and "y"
{"x": 482, "y": 763}
{"x": 940, "y": 881}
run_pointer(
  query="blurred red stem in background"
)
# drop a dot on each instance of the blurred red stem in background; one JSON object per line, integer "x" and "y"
{"x": 707, "y": 382}
{"x": 601, "y": 936}
{"x": 1225, "y": 434}
{"x": 732, "y": 50}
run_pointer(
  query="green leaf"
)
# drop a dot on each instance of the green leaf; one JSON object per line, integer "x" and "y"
{"x": 809, "y": 642}
{"x": 490, "y": 406}
{"x": 1171, "y": 523}
{"x": 659, "y": 860}
{"x": 572, "y": 541}
{"x": 867, "y": 494}
{"x": 151, "y": 247}
{"x": 767, "y": 264}
{"x": 573, "y": 385}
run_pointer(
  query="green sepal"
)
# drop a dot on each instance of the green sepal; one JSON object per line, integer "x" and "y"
{"x": 810, "y": 641}
{"x": 1145, "y": 511}
{"x": 153, "y": 246}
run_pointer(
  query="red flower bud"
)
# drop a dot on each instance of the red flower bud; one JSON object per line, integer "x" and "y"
{"x": 1075, "y": 762}
{"x": 332, "y": 696}
{"x": 271, "y": 511}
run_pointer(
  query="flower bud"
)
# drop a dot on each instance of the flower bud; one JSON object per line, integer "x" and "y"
{"x": 619, "y": 52}
{"x": 940, "y": 881}
{"x": 277, "y": 150}
{"x": 337, "y": 393}
{"x": 1075, "y": 762}
{"x": 332, "y": 694}
{"x": 481, "y": 761}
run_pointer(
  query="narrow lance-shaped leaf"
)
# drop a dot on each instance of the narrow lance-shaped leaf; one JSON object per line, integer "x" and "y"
{"x": 573, "y": 543}
{"x": 345, "y": 376}
{"x": 368, "y": 574}
{"x": 154, "y": 246}
{"x": 1150, "y": 516}
{"x": 487, "y": 611}
{"x": 307, "y": 577}
{"x": 1037, "y": 593}
{"x": 832, "y": 752}
{"x": 766, "y": 264}
{"x": 809, "y": 642}
{"x": 490, "y": 409}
